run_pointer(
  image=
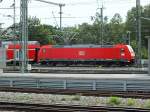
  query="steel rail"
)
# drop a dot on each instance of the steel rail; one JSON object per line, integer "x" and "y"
{"x": 64, "y": 108}
{"x": 87, "y": 70}
{"x": 123, "y": 94}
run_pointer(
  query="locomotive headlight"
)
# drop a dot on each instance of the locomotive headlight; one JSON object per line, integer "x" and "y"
{"x": 122, "y": 54}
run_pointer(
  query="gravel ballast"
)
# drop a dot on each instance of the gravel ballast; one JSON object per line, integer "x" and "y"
{"x": 73, "y": 100}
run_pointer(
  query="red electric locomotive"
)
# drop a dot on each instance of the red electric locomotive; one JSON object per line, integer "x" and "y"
{"x": 86, "y": 54}
{"x": 13, "y": 52}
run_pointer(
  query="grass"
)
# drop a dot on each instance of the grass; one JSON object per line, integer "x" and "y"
{"x": 112, "y": 101}
{"x": 147, "y": 104}
{"x": 76, "y": 98}
{"x": 130, "y": 102}
{"x": 63, "y": 99}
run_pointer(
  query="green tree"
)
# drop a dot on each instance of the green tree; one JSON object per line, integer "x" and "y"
{"x": 87, "y": 34}
{"x": 117, "y": 28}
{"x": 130, "y": 25}
{"x": 97, "y": 29}
{"x": 39, "y": 32}
{"x": 70, "y": 35}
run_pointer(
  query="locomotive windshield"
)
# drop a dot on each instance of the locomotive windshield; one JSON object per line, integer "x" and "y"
{"x": 131, "y": 50}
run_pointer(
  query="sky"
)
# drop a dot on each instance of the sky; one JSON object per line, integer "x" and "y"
{"x": 74, "y": 12}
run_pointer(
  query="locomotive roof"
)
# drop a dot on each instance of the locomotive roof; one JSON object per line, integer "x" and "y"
{"x": 82, "y": 46}
{"x": 18, "y": 42}
{"x": 17, "y": 46}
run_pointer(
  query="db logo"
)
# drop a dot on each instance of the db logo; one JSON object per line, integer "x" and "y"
{"x": 81, "y": 53}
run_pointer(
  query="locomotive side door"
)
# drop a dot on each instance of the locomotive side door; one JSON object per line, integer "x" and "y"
{"x": 16, "y": 54}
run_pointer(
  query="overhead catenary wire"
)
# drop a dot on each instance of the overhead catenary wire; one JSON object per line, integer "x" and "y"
{"x": 57, "y": 4}
{"x": 108, "y": 3}
{"x": 55, "y": 19}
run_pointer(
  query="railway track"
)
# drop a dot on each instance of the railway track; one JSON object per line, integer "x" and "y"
{"x": 124, "y": 94}
{"x": 81, "y": 69}
{"x": 65, "y": 108}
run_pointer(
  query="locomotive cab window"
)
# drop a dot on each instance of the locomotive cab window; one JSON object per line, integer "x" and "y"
{"x": 122, "y": 50}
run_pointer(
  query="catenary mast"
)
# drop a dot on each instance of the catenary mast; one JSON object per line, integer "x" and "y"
{"x": 24, "y": 30}
{"x": 24, "y": 34}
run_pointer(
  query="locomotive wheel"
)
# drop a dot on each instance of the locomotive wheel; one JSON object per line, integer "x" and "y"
{"x": 122, "y": 64}
{"x": 53, "y": 64}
